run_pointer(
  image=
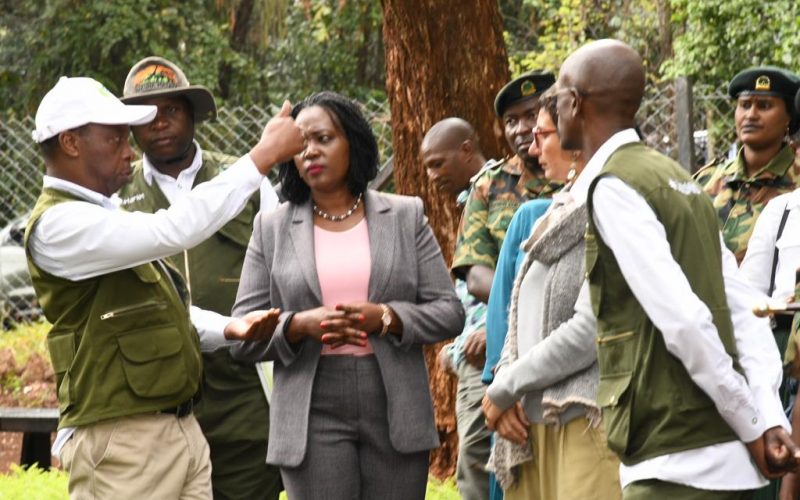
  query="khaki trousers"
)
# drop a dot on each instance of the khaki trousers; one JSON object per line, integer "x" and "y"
{"x": 570, "y": 462}
{"x": 153, "y": 456}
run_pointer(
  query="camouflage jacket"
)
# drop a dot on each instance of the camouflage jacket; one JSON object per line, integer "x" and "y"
{"x": 494, "y": 198}
{"x": 739, "y": 200}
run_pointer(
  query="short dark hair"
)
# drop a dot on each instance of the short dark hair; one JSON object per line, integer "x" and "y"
{"x": 50, "y": 146}
{"x": 346, "y": 115}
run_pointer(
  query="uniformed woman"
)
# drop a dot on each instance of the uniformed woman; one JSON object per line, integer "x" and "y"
{"x": 765, "y": 165}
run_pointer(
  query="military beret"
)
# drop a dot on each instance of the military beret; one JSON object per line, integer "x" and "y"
{"x": 797, "y": 102}
{"x": 765, "y": 80}
{"x": 524, "y": 86}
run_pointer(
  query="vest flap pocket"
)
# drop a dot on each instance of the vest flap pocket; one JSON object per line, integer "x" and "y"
{"x": 147, "y": 273}
{"x": 62, "y": 350}
{"x": 613, "y": 396}
{"x": 147, "y": 345}
{"x": 616, "y": 352}
{"x": 152, "y": 362}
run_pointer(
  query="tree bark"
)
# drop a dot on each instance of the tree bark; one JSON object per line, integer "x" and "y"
{"x": 443, "y": 58}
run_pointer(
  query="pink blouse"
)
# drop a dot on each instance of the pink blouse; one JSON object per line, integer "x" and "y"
{"x": 343, "y": 268}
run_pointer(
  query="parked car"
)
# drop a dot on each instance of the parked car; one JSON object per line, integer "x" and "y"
{"x": 17, "y": 298}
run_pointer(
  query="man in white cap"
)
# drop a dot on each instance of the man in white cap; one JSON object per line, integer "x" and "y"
{"x": 123, "y": 345}
{"x": 173, "y": 162}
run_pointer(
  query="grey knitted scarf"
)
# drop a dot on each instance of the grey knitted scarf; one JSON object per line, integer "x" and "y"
{"x": 557, "y": 241}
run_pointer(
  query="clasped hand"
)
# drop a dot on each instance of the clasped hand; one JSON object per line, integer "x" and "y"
{"x": 512, "y": 423}
{"x": 344, "y": 324}
{"x": 775, "y": 453}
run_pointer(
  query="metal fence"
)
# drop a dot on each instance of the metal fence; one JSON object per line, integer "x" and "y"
{"x": 237, "y": 129}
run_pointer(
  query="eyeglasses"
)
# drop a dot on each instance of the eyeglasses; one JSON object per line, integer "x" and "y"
{"x": 540, "y": 134}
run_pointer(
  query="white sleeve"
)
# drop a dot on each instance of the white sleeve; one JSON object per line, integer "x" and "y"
{"x": 755, "y": 344}
{"x": 210, "y": 328}
{"x": 269, "y": 198}
{"x": 79, "y": 240}
{"x": 757, "y": 264}
{"x": 630, "y": 228}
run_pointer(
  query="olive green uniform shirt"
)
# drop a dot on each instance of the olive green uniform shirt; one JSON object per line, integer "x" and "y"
{"x": 739, "y": 199}
{"x": 495, "y": 197}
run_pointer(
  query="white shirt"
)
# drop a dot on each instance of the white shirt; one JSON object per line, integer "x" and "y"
{"x": 174, "y": 187}
{"x": 76, "y": 240}
{"x": 749, "y": 406}
{"x": 757, "y": 263}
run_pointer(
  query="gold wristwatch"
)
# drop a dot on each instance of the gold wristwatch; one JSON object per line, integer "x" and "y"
{"x": 386, "y": 319}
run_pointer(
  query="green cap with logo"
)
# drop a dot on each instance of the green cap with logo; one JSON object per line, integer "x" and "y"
{"x": 771, "y": 81}
{"x": 525, "y": 86}
{"x": 157, "y": 77}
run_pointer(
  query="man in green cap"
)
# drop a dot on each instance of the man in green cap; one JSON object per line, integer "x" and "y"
{"x": 233, "y": 410}
{"x": 765, "y": 165}
{"x": 494, "y": 197}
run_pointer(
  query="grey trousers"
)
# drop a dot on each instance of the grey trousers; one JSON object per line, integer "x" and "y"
{"x": 474, "y": 439}
{"x": 349, "y": 455}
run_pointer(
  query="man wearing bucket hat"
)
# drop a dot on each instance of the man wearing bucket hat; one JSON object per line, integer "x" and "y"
{"x": 495, "y": 195}
{"x": 765, "y": 165}
{"x": 123, "y": 346}
{"x": 172, "y": 163}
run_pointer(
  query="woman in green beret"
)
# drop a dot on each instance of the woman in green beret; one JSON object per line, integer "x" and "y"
{"x": 765, "y": 165}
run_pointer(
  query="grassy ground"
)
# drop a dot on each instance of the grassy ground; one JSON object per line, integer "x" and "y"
{"x": 35, "y": 483}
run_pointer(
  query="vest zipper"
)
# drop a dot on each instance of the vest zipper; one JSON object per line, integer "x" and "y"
{"x": 611, "y": 338}
{"x": 131, "y": 309}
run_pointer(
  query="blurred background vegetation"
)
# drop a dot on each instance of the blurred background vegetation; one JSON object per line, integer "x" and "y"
{"x": 261, "y": 51}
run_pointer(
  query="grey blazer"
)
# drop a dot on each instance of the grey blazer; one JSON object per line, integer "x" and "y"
{"x": 408, "y": 273}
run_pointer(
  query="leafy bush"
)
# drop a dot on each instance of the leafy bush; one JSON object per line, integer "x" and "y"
{"x": 33, "y": 482}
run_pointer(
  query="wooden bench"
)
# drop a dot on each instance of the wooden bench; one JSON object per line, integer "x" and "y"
{"x": 37, "y": 424}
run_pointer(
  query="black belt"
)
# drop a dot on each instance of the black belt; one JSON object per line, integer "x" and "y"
{"x": 182, "y": 410}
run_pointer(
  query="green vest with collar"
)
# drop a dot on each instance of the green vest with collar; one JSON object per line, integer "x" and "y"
{"x": 650, "y": 404}
{"x": 215, "y": 264}
{"x": 232, "y": 394}
{"x": 121, "y": 343}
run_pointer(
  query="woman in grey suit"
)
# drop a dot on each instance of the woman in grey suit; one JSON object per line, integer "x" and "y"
{"x": 362, "y": 285}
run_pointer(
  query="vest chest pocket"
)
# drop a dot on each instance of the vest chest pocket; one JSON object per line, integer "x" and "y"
{"x": 591, "y": 263}
{"x": 62, "y": 354}
{"x": 613, "y": 397}
{"x": 152, "y": 361}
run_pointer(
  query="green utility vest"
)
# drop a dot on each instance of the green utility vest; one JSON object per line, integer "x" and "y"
{"x": 230, "y": 388}
{"x": 650, "y": 404}
{"x": 121, "y": 343}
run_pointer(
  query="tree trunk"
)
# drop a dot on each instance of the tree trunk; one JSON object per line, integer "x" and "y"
{"x": 443, "y": 58}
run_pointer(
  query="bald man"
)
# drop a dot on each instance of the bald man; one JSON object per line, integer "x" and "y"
{"x": 688, "y": 375}
{"x": 453, "y": 159}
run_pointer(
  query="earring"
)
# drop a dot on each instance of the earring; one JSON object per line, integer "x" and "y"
{"x": 573, "y": 167}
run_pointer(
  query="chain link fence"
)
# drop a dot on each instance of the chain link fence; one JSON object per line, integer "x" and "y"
{"x": 237, "y": 129}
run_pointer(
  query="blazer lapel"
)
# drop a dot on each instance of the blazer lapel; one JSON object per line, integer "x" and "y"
{"x": 302, "y": 236}
{"x": 382, "y": 227}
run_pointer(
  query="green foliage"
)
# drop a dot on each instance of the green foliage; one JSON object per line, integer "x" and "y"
{"x": 33, "y": 482}
{"x": 330, "y": 45}
{"x": 25, "y": 340}
{"x": 723, "y": 37}
{"x": 282, "y": 48}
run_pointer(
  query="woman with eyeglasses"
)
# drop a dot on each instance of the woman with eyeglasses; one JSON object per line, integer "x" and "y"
{"x": 363, "y": 286}
{"x": 551, "y": 443}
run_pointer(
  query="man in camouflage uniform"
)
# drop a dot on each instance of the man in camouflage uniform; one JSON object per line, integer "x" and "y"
{"x": 453, "y": 159}
{"x": 233, "y": 410}
{"x": 741, "y": 187}
{"x": 496, "y": 194}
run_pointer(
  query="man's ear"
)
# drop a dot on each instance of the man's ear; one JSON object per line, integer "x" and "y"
{"x": 467, "y": 148}
{"x": 68, "y": 142}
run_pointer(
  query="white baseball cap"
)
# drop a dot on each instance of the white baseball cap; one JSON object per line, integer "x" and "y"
{"x": 74, "y": 102}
